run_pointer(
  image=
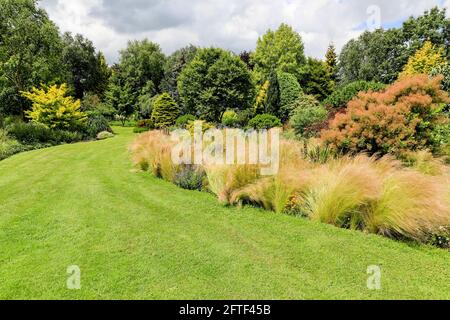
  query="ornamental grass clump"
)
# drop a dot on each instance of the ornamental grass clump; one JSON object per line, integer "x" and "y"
{"x": 379, "y": 195}
{"x": 152, "y": 151}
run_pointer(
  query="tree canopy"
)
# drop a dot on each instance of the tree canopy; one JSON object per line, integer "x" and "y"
{"x": 88, "y": 69}
{"x": 280, "y": 50}
{"x": 382, "y": 54}
{"x": 174, "y": 65}
{"x": 215, "y": 81}
{"x": 30, "y": 52}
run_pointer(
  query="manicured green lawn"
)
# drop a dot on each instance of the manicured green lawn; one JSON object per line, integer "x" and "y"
{"x": 137, "y": 237}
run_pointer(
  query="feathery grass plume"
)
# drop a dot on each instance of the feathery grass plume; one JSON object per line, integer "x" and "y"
{"x": 376, "y": 195}
{"x": 411, "y": 205}
{"x": 424, "y": 162}
{"x": 153, "y": 151}
{"x": 274, "y": 193}
{"x": 223, "y": 180}
{"x": 341, "y": 190}
{"x": 291, "y": 154}
{"x": 216, "y": 178}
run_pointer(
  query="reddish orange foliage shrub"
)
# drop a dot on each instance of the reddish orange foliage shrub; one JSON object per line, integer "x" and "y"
{"x": 399, "y": 119}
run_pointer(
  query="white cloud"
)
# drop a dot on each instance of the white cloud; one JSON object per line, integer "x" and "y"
{"x": 232, "y": 24}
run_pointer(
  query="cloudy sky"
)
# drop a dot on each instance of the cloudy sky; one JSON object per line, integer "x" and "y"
{"x": 231, "y": 24}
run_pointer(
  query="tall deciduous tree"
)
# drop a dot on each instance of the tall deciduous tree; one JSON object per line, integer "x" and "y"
{"x": 174, "y": 66}
{"x": 141, "y": 65}
{"x": 280, "y": 50}
{"x": 119, "y": 95}
{"x": 88, "y": 69}
{"x": 30, "y": 52}
{"x": 374, "y": 56}
{"x": 381, "y": 55}
{"x": 433, "y": 26}
{"x": 216, "y": 80}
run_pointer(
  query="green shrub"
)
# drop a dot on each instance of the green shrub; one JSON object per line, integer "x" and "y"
{"x": 145, "y": 105}
{"x": 92, "y": 103}
{"x": 402, "y": 118}
{"x": 105, "y": 135}
{"x": 289, "y": 92}
{"x": 190, "y": 178}
{"x": 53, "y": 108}
{"x": 230, "y": 119}
{"x": 8, "y": 146}
{"x": 165, "y": 111}
{"x": 140, "y": 129}
{"x": 441, "y": 238}
{"x": 264, "y": 121}
{"x": 308, "y": 114}
{"x": 33, "y": 133}
{"x": 213, "y": 82}
{"x": 96, "y": 123}
{"x": 244, "y": 117}
{"x": 342, "y": 96}
{"x": 445, "y": 71}
{"x": 205, "y": 126}
{"x": 184, "y": 120}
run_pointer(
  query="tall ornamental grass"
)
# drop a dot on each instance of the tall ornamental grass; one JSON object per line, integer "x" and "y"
{"x": 374, "y": 195}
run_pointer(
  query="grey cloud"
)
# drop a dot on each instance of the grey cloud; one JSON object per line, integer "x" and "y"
{"x": 143, "y": 15}
{"x": 231, "y": 24}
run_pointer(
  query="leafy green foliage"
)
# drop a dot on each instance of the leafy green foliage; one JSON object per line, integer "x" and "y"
{"x": 184, "y": 120}
{"x": 315, "y": 79}
{"x": 280, "y": 50}
{"x": 95, "y": 124}
{"x": 30, "y": 53}
{"x": 38, "y": 134}
{"x": 139, "y": 72}
{"x": 289, "y": 92}
{"x": 230, "y": 119}
{"x": 8, "y": 146}
{"x": 119, "y": 97}
{"x": 264, "y": 121}
{"x": 443, "y": 70}
{"x": 173, "y": 67}
{"x": 381, "y": 55}
{"x": 272, "y": 101}
{"x": 92, "y": 103}
{"x": 339, "y": 98}
{"x": 145, "y": 106}
{"x": 52, "y": 108}
{"x": 331, "y": 62}
{"x": 165, "y": 111}
{"x": 425, "y": 60}
{"x": 216, "y": 80}
{"x": 308, "y": 113}
{"x": 88, "y": 69}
